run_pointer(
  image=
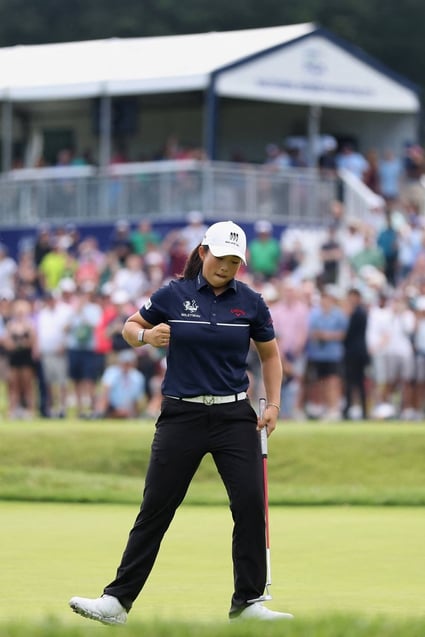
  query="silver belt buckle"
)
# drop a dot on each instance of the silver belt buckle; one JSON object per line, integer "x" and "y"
{"x": 208, "y": 400}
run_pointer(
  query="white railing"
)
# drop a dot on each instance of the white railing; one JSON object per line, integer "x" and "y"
{"x": 359, "y": 200}
{"x": 164, "y": 190}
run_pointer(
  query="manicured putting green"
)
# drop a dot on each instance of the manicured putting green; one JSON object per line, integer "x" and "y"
{"x": 324, "y": 560}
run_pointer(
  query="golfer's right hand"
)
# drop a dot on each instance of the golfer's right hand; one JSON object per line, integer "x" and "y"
{"x": 158, "y": 336}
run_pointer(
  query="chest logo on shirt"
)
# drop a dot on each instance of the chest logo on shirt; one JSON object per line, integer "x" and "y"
{"x": 191, "y": 306}
{"x": 238, "y": 312}
{"x": 191, "y": 309}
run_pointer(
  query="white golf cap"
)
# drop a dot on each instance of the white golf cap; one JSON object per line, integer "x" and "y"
{"x": 225, "y": 238}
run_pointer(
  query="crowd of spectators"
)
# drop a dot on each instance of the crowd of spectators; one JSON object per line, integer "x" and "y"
{"x": 388, "y": 173}
{"x": 347, "y": 300}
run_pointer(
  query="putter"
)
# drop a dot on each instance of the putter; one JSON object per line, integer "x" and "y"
{"x": 264, "y": 452}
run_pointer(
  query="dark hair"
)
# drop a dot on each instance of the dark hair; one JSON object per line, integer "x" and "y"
{"x": 193, "y": 264}
{"x": 355, "y": 291}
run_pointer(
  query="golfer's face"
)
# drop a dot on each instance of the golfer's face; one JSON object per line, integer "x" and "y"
{"x": 218, "y": 271}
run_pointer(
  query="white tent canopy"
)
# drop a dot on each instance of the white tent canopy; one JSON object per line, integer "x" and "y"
{"x": 294, "y": 64}
{"x": 300, "y": 64}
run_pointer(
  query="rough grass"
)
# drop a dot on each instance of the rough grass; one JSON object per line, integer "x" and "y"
{"x": 328, "y": 626}
{"x": 308, "y": 463}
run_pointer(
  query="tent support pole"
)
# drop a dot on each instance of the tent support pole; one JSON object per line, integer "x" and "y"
{"x": 313, "y": 128}
{"x": 105, "y": 129}
{"x": 6, "y": 135}
{"x": 210, "y": 121}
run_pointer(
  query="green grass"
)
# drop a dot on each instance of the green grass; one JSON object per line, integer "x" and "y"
{"x": 335, "y": 568}
{"x": 345, "y": 571}
{"x": 372, "y": 463}
{"x": 329, "y": 626}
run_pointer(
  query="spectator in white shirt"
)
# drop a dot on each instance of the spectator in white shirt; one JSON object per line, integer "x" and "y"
{"x": 389, "y": 337}
{"x": 51, "y": 327}
{"x": 8, "y": 269}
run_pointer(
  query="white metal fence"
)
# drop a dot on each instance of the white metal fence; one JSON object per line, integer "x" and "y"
{"x": 164, "y": 190}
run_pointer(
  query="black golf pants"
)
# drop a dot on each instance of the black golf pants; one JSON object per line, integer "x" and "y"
{"x": 185, "y": 432}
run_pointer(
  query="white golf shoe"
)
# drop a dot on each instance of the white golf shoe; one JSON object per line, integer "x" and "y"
{"x": 105, "y": 609}
{"x": 259, "y": 612}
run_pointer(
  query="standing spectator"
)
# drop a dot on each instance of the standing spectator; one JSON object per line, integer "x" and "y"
{"x": 27, "y": 279}
{"x": 416, "y": 277}
{"x": 410, "y": 245}
{"x": 175, "y": 247}
{"x": 56, "y": 265}
{"x": 194, "y": 230}
{"x": 378, "y": 337}
{"x": 20, "y": 345}
{"x": 73, "y": 239}
{"x": 371, "y": 174}
{"x": 327, "y": 163}
{"x": 414, "y": 169}
{"x": 114, "y": 318}
{"x": 43, "y": 244}
{"x": 143, "y": 237}
{"x": 90, "y": 263}
{"x": 290, "y": 319}
{"x": 276, "y": 158}
{"x": 325, "y": 350}
{"x": 356, "y": 357}
{"x": 131, "y": 277}
{"x": 120, "y": 243}
{"x": 122, "y": 388}
{"x": 389, "y": 338}
{"x": 390, "y": 170}
{"x": 155, "y": 266}
{"x": 419, "y": 347}
{"x": 353, "y": 161}
{"x": 387, "y": 240}
{"x": 103, "y": 342}
{"x": 51, "y": 326}
{"x": 402, "y": 362}
{"x": 293, "y": 258}
{"x": 330, "y": 257}
{"x": 82, "y": 357}
{"x": 8, "y": 269}
{"x": 264, "y": 251}
{"x": 371, "y": 254}
{"x": 352, "y": 238}
{"x": 6, "y": 300}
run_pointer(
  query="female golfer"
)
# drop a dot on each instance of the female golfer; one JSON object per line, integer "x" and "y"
{"x": 206, "y": 320}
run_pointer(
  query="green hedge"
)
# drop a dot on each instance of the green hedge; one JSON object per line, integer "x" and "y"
{"x": 372, "y": 463}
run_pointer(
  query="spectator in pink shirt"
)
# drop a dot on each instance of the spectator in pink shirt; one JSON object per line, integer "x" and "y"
{"x": 290, "y": 317}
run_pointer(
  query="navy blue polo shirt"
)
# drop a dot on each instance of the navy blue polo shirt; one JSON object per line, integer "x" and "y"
{"x": 210, "y": 335}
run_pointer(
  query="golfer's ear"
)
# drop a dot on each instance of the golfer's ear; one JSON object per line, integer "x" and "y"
{"x": 201, "y": 252}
